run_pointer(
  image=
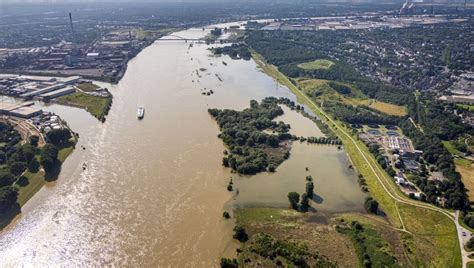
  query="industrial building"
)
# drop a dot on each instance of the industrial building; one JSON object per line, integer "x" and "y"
{"x": 58, "y": 93}
{"x": 42, "y": 91}
{"x": 22, "y": 110}
{"x": 28, "y": 87}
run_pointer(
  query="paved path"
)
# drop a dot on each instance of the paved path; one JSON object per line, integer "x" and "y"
{"x": 463, "y": 235}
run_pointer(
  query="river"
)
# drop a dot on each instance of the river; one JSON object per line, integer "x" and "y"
{"x": 154, "y": 190}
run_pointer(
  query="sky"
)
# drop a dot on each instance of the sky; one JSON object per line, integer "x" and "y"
{"x": 95, "y": 1}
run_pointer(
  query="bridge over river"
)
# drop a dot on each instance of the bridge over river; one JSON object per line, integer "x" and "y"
{"x": 173, "y": 37}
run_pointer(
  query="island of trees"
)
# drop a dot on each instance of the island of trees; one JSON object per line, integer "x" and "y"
{"x": 250, "y": 148}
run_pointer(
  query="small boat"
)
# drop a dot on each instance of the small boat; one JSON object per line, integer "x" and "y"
{"x": 141, "y": 112}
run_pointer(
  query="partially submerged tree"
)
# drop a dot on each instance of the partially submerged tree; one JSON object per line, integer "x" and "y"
{"x": 294, "y": 198}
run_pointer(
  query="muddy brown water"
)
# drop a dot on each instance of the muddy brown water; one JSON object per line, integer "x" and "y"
{"x": 154, "y": 190}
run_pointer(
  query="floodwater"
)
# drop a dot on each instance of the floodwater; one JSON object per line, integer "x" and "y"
{"x": 154, "y": 190}
{"x": 300, "y": 125}
{"x": 335, "y": 185}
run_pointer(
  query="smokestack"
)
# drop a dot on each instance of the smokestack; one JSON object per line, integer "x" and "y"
{"x": 72, "y": 26}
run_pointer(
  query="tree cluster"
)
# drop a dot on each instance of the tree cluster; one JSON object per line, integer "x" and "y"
{"x": 216, "y": 32}
{"x": 371, "y": 205}
{"x": 16, "y": 158}
{"x": 321, "y": 140}
{"x": 49, "y": 157}
{"x": 303, "y": 203}
{"x": 243, "y": 133}
{"x": 235, "y": 51}
{"x": 360, "y": 115}
{"x": 434, "y": 153}
{"x": 58, "y": 136}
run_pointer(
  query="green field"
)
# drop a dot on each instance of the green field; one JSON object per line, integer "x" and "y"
{"x": 451, "y": 149}
{"x": 97, "y": 106}
{"x": 469, "y": 107}
{"x": 415, "y": 220}
{"x": 316, "y": 65}
{"x": 88, "y": 87}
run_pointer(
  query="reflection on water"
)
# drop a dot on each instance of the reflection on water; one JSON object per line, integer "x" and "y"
{"x": 154, "y": 190}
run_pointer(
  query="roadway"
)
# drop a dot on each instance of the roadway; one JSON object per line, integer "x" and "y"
{"x": 463, "y": 235}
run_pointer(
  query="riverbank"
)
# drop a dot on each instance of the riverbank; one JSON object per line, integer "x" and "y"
{"x": 33, "y": 177}
{"x": 98, "y": 107}
{"x": 402, "y": 212}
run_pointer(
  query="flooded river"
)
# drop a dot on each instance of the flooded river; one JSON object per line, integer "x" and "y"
{"x": 154, "y": 190}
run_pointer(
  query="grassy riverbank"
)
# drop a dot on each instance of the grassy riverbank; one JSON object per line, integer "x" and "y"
{"x": 415, "y": 220}
{"x": 340, "y": 240}
{"x": 35, "y": 181}
{"x": 97, "y": 106}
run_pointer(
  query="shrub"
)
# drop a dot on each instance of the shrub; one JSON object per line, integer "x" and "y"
{"x": 229, "y": 263}
{"x": 240, "y": 233}
{"x": 371, "y": 205}
{"x": 294, "y": 198}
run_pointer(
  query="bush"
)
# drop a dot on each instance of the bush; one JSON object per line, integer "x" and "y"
{"x": 304, "y": 202}
{"x": 3, "y": 157}
{"x": 309, "y": 189}
{"x": 469, "y": 220}
{"x": 33, "y": 140}
{"x": 240, "y": 233}
{"x": 16, "y": 168}
{"x": 6, "y": 178}
{"x": 269, "y": 247}
{"x": 229, "y": 263}
{"x": 271, "y": 168}
{"x": 294, "y": 198}
{"x": 371, "y": 205}
{"x": 470, "y": 243}
{"x": 34, "y": 166}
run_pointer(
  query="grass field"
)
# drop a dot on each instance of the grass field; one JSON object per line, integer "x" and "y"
{"x": 316, "y": 65}
{"x": 381, "y": 106}
{"x": 467, "y": 175}
{"x": 88, "y": 87}
{"x": 434, "y": 236}
{"x": 97, "y": 106}
{"x": 321, "y": 88}
{"x": 35, "y": 182}
{"x": 469, "y": 107}
{"x": 451, "y": 149}
{"x": 465, "y": 167}
{"x": 400, "y": 215}
{"x": 289, "y": 226}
